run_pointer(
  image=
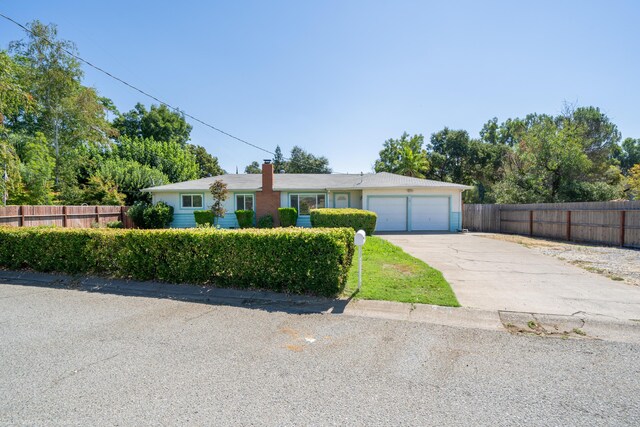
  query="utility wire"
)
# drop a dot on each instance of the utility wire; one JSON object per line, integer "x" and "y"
{"x": 136, "y": 88}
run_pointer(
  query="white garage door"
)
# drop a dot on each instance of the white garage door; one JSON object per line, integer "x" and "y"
{"x": 391, "y": 211}
{"x": 430, "y": 213}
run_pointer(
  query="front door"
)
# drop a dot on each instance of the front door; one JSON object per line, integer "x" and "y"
{"x": 341, "y": 200}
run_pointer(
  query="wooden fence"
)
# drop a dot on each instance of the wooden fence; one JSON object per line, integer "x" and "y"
{"x": 610, "y": 223}
{"x": 63, "y": 216}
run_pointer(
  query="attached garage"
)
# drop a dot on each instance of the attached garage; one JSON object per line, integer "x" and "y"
{"x": 411, "y": 213}
{"x": 429, "y": 213}
{"x": 391, "y": 211}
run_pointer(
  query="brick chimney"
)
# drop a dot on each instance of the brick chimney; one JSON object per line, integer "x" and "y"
{"x": 267, "y": 200}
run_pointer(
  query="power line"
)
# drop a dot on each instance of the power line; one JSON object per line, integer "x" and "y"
{"x": 136, "y": 88}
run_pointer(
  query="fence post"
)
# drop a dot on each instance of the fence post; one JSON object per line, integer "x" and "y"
{"x": 22, "y": 216}
{"x": 569, "y": 225}
{"x": 64, "y": 216}
{"x": 530, "y": 223}
{"x": 122, "y": 215}
{"x": 623, "y": 215}
{"x": 98, "y": 214}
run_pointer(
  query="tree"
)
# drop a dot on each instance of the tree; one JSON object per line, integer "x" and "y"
{"x": 404, "y": 156}
{"x": 279, "y": 164}
{"x": 552, "y": 164}
{"x": 10, "y": 179}
{"x": 449, "y": 154}
{"x": 301, "y": 161}
{"x": 219, "y": 192}
{"x": 70, "y": 115}
{"x": 130, "y": 177}
{"x": 99, "y": 191}
{"x": 634, "y": 181}
{"x": 207, "y": 163}
{"x": 253, "y": 168}
{"x": 159, "y": 123}
{"x": 14, "y": 97}
{"x": 169, "y": 157}
{"x": 629, "y": 154}
{"x": 37, "y": 171}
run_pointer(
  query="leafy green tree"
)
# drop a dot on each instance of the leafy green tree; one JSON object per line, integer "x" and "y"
{"x": 68, "y": 114}
{"x": 449, "y": 156}
{"x": 14, "y": 97}
{"x": 99, "y": 191}
{"x": 404, "y": 156}
{"x": 279, "y": 164}
{"x": 253, "y": 168}
{"x": 169, "y": 157}
{"x": 10, "y": 178}
{"x": 159, "y": 123}
{"x": 37, "y": 171}
{"x": 629, "y": 154}
{"x": 301, "y": 161}
{"x": 551, "y": 164}
{"x": 634, "y": 181}
{"x": 208, "y": 164}
{"x": 130, "y": 177}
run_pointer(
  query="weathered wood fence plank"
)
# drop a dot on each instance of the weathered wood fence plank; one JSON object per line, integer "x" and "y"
{"x": 63, "y": 216}
{"x": 610, "y": 223}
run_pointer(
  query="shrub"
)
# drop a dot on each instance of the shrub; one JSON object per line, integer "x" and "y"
{"x": 203, "y": 217}
{"x": 265, "y": 221}
{"x": 146, "y": 215}
{"x": 357, "y": 219}
{"x": 114, "y": 224}
{"x": 314, "y": 261}
{"x": 245, "y": 218}
{"x": 288, "y": 217}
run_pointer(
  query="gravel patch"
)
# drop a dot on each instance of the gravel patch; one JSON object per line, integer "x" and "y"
{"x": 621, "y": 264}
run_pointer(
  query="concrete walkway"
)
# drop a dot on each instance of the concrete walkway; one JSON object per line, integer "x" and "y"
{"x": 491, "y": 274}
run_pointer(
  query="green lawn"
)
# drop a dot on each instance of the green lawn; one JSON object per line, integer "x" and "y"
{"x": 389, "y": 273}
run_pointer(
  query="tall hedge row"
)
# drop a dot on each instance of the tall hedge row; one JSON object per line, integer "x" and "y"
{"x": 356, "y": 219}
{"x": 307, "y": 261}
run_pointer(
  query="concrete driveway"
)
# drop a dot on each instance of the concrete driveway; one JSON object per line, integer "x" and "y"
{"x": 496, "y": 275}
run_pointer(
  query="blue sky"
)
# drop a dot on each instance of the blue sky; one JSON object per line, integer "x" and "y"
{"x": 338, "y": 78}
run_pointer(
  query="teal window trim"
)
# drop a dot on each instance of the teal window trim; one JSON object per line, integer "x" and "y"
{"x": 305, "y": 195}
{"x": 180, "y": 195}
{"x": 235, "y": 200}
{"x": 340, "y": 193}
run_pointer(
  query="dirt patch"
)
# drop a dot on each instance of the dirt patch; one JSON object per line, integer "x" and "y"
{"x": 407, "y": 270}
{"x": 619, "y": 264}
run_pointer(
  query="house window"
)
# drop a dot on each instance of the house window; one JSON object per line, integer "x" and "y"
{"x": 305, "y": 202}
{"x": 192, "y": 201}
{"x": 244, "y": 202}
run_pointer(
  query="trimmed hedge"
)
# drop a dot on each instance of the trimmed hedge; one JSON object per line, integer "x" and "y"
{"x": 306, "y": 261}
{"x": 245, "y": 218}
{"x": 357, "y": 219}
{"x": 265, "y": 221}
{"x": 288, "y": 217}
{"x": 147, "y": 215}
{"x": 203, "y": 217}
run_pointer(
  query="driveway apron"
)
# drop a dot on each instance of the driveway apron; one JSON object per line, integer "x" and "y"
{"x": 496, "y": 275}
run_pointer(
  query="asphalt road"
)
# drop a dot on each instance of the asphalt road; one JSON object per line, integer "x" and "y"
{"x": 69, "y": 357}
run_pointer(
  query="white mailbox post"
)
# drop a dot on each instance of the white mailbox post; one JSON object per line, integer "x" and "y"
{"x": 359, "y": 240}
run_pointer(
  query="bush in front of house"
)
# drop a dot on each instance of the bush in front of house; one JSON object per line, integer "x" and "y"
{"x": 265, "y": 221}
{"x": 357, "y": 219}
{"x": 245, "y": 218}
{"x": 305, "y": 261}
{"x": 147, "y": 215}
{"x": 288, "y": 217}
{"x": 203, "y": 217}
